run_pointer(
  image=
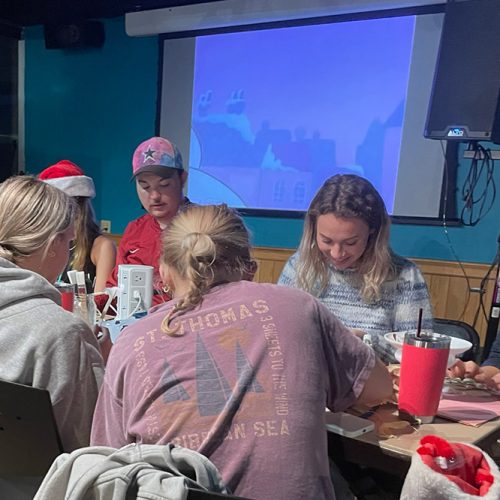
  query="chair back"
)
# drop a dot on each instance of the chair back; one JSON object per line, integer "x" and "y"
{"x": 29, "y": 440}
{"x": 461, "y": 330}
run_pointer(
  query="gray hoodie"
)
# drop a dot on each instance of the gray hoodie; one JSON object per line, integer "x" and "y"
{"x": 47, "y": 347}
{"x": 139, "y": 471}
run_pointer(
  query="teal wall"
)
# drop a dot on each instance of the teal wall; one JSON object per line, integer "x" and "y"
{"x": 94, "y": 107}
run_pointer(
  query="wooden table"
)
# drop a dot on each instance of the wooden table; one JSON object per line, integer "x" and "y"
{"x": 393, "y": 454}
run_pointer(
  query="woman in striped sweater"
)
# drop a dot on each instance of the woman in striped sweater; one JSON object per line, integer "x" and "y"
{"x": 344, "y": 259}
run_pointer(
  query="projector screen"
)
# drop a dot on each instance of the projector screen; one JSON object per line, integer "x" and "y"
{"x": 263, "y": 117}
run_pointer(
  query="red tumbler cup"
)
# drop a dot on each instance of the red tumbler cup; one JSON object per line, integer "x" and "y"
{"x": 423, "y": 368}
{"x": 67, "y": 292}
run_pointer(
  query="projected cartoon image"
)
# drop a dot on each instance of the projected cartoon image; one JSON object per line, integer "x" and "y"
{"x": 204, "y": 186}
{"x": 276, "y": 112}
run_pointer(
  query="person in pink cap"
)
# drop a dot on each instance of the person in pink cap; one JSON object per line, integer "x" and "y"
{"x": 160, "y": 177}
{"x": 91, "y": 252}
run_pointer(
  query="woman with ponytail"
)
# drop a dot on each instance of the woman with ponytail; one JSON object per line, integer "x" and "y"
{"x": 239, "y": 371}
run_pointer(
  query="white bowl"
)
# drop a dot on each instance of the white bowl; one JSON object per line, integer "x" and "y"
{"x": 457, "y": 345}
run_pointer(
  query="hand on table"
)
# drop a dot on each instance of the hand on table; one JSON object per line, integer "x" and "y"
{"x": 494, "y": 382}
{"x": 104, "y": 340}
{"x": 488, "y": 375}
{"x": 359, "y": 333}
{"x": 394, "y": 370}
{"x": 460, "y": 369}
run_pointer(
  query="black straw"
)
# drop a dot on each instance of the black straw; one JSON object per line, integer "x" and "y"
{"x": 419, "y": 326}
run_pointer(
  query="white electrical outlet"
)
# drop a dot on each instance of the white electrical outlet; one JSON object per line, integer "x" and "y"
{"x": 105, "y": 226}
{"x": 138, "y": 277}
{"x": 135, "y": 289}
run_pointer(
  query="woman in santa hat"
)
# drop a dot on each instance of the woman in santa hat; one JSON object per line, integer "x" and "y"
{"x": 92, "y": 252}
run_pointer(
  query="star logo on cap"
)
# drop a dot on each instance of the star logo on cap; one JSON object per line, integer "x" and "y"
{"x": 149, "y": 154}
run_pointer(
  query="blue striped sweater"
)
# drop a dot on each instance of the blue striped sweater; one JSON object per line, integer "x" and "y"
{"x": 395, "y": 311}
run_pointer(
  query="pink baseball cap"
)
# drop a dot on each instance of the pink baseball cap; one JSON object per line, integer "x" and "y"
{"x": 156, "y": 155}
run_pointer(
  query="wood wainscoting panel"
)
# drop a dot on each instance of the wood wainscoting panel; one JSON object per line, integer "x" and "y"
{"x": 115, "y": 237}
{"x": 270, "y": 263}
{"x": 449, "y": 287}
{"x": 446, "y": 280}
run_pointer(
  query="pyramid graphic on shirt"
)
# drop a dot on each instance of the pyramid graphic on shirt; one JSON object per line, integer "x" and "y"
{"x": 212, "y": 387}
{"x": 176, "y": 391}
{"x": 246, "y": 372}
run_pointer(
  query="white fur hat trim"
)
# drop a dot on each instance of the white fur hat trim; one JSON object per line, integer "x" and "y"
{"x": 74, "y": 185}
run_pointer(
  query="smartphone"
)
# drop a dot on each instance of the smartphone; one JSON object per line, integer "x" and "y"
{"x": 348, "y": 425}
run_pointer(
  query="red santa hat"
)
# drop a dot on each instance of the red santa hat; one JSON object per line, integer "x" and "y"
{"x": 68, "y": 177}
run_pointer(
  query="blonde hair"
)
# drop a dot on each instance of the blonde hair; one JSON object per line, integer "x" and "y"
{"x": 32, "y": 214}
{"x": 86, "y": 229}
{"x": 347, "y": 196}
{"x": 205, "y": 245}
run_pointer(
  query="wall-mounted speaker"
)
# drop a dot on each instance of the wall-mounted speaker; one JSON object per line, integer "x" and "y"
{"x": 80, "y": 34}
{"x": 464, "y": 103}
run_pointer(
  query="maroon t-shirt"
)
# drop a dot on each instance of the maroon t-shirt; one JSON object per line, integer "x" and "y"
{"x": 245, "y": 385}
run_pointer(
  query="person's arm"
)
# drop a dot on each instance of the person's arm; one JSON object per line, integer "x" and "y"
{"x": 488, "y": 372}
{"x": 493, "y": 379}
{"x": 411, "y": 294}
{"x": 378, "y": 386}
{"x": 72, "y": 372}
{"x": 288, "y": 274}
{"x": 354, "y": 372}
{"x": 493, "y": 359}
{"x": 463, "y": 370}
{"x": 359, "y": 333}
{"x": 103, "y": 256}
{"x": 485, "y": 374}
{"x": 108, "y": 426}
{"x": 489, "y": 368}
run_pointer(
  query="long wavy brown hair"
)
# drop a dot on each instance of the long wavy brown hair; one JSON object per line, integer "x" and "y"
{"x": 86, "y": 230}
{"x": 347, "y": 196}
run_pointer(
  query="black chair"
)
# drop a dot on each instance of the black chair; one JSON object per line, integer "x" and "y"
{"x": 29, "y": 440}
{"x": 461, "y": 330}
